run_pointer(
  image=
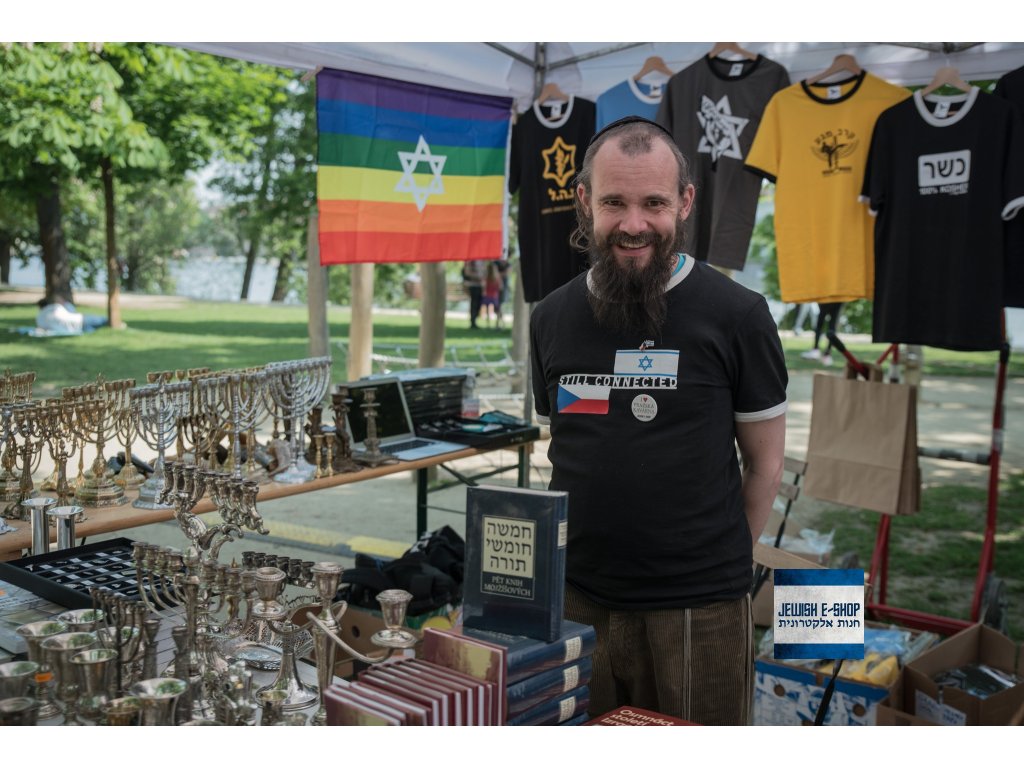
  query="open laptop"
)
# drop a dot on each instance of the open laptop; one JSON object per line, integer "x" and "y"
{"x": 394, "y": 422}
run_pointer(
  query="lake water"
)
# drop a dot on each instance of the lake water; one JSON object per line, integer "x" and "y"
{"x": 198, "y": 277}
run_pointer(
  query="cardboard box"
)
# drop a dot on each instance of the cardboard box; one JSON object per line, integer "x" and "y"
{"x": 790, "y": 695}
{"x": 763, "y": 604}
{"x": 887, "y": 715}
{"x": 977, "y": 644}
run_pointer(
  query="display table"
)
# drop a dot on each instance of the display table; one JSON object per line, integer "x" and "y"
{"x": 108, "y": 519}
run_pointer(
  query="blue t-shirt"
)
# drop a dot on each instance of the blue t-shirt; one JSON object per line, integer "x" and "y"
{"x": 628, "y": 98}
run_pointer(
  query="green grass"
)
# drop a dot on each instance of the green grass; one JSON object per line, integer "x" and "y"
{"x": 205, "y": 334}
{"x": 937, "y": 362}
{"x": 934, "y": 555}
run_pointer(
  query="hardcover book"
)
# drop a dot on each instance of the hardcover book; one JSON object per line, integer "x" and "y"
{"x": 536, "y": 689}
{"x": 628, "y": 715}
{"x": 472, "y": 656}
{"x": 515, "y": 560}
{"x": 556, "y": 710}
{"x": 527, "y": 656}
{"x": 344, "y": 707}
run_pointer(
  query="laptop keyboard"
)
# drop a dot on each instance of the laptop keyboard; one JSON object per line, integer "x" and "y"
{"x": 404, "y": 445}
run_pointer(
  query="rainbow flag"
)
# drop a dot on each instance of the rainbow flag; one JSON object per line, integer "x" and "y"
{"x": 409, "y": 172}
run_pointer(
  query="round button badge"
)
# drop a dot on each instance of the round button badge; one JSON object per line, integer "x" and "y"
{"x": 644, "y": 407}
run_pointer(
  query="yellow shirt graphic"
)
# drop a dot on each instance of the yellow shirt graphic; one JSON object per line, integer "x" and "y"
{"x": 813, "y": 143}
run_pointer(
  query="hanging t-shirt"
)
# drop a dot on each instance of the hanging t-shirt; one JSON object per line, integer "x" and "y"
{"x": 1011, "y": 88}
{"x": 713, "y": 109}
{"x": 630, "y": 97}
{"x": 548, "y": 143}
{"x": 943, "y": 174}
{"x": 813, "y": 143}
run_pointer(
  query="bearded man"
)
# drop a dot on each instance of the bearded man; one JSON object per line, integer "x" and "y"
{"x": 652, "y": 368}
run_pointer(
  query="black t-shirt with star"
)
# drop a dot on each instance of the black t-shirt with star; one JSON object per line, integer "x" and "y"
{"x": 712, "y": 109}
{"x": 548, "y": 144}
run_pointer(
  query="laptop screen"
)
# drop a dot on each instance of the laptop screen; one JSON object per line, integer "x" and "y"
{"x": 392, "y": 418}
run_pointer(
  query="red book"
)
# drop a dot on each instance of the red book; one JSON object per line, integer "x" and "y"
{"x": 477, "y": 658}
{"x": 457, "y": 703}
{"x": 346, "y": 708}
{"x": 483, "y": 692}
{"x": 415, "y": 714}
{"x": 374, "y": 679}
{"x": 635, "y": 716}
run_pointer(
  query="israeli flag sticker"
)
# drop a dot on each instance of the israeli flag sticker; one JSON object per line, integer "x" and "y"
{"x": 819, "y": 614}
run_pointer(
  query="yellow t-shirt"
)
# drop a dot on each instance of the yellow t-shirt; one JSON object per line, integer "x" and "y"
{"x": 813, "y": 143}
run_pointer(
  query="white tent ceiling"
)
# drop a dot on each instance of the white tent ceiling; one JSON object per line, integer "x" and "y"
{"x": 588, "y": 69}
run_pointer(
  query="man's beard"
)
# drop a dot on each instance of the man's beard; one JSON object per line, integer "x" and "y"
{"x": 632, "y": 298}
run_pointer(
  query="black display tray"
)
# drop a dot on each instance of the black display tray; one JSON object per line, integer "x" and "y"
{"x": 478, "y": 433}
{"x": 65, "y": 577}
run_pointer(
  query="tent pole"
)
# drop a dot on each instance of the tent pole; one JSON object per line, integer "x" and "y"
{"x": 316, "y": 287}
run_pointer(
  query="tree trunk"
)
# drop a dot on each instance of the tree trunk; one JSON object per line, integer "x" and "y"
{"x": 360, "y": 336}
{"x": 55, "y": 248}
{"x": 284, "y": 274}
{"x": 250, "y": 263}
{"x": 5, "y": 258}
{"x": 432, "y": 308}
{"x": 113, "y": 268}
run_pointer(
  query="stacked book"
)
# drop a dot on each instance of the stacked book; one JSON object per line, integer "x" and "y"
{"x": 413, "y": 692}
{"x": 513, "y": 595}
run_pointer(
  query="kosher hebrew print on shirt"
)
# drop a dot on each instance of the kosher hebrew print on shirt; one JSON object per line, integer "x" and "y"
{"x": 713, "y": 109}
{"x": 944, "y": 175}
{"x": 548, "y": 144}
{"x": 813, "y": 142}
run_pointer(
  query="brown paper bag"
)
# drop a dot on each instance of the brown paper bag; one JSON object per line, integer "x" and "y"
{"x": 862, "y": 450}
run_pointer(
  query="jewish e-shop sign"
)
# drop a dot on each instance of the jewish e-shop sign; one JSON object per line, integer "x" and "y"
{"x": 409, "y": 172}
{"x": 819, "y": 614}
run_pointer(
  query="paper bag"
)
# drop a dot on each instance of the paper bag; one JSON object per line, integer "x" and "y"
{"x": 862, "y": 450}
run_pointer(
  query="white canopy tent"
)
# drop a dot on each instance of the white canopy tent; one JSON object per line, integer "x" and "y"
{"x": 519, "y": 70}
{"x": 588, "y": 69}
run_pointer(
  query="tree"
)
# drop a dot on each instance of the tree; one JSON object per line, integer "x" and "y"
{"x": 272, "y": 192}
{"x": 65, "y": 115}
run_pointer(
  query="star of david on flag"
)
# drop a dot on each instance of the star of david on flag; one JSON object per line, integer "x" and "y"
{"x": 409, "y": 172}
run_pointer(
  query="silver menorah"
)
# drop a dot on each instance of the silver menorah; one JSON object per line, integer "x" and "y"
{"x": 295, "y": 386}
{"x": 160, "y": 405}
{"x": 25, "y": 456}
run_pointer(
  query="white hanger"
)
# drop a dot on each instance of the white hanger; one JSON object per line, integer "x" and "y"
{"x": 719, "y": 48}
{"x": 552, "y": 93}
{"x": 946, "y": 76}
{"x": 844, "y": 62}
{"x": 651, "y": 65}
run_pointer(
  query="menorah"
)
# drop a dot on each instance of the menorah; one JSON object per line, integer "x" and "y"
{"x": 160, "y": 405}
{"x": 52, "y": 420}
{"x": 294, "y": 387}
{"x": 210, "y": 414}
{"x": 16, "y": 387}
{"x": 246, "y": 395}
{"x": 126, "y": 426}
{"x": 96, "y": 410}
{"x": 25, "y": 456}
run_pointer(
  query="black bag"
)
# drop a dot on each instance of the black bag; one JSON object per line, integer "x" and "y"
{"x": 431, "y": 571}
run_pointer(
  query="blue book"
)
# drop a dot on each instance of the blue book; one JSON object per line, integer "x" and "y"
{"x": 526, "y": 656}
{"x": 555, "y": 711}
{"x": 515, "y": 561}
{"x": 536, "y": 689}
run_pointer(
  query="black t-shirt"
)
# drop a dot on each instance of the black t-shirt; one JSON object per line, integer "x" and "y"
{"x": 548, "y": 144}
{"x": 1011, "y": 88}
{"x": 942, "y": 187}
{"x": 643, "y": 438}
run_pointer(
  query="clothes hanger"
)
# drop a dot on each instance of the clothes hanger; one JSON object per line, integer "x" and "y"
{"x": 719, "y": 48}
{"x": 946, "y": 76}
{"x": 844, "y": 62}
{"x": 653, "y": 64}
{"x": 551, "y": 93}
